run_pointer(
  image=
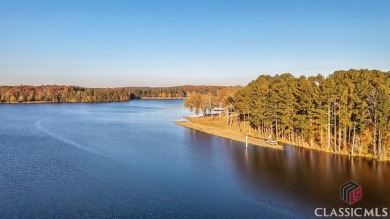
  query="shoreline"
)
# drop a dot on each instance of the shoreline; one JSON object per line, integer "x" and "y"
{"x": 228, "y": 134}
{"x": 161, "y": 98}
{"x": 51, "y": 102}
{"x": 211, "y": 126}
{"x": 342, "y": 153}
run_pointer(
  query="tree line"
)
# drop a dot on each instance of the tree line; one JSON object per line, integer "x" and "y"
{"x": 348, "y": 111}
{"x": 56, "y": 93}
{"x": 60, "y": 93}
{"x": 172, "y": 92}
{"x": 204, "y": 103}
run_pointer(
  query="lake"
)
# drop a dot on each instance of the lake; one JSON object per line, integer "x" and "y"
{"x": 131, "y": 160}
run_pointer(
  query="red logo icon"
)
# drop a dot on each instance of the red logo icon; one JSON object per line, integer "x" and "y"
{"x": 351, "y": 192}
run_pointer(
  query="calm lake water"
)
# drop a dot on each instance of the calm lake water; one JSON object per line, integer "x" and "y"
{"x": 130, "y": 160}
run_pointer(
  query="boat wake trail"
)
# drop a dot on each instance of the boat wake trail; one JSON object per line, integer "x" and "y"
{"x": 62, "y": 139}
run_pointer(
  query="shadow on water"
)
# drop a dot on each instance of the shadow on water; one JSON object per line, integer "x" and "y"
{"x": 297, "y": 175}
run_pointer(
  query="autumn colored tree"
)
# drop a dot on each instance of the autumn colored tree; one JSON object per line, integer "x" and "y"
{"x": 348, "y": 111}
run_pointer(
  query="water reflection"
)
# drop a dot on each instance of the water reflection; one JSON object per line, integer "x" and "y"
{"x": 307, "y": 178}
{"x": 143, "y": 165}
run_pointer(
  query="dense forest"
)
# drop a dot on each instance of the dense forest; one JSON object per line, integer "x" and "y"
{"x": 57, "y": 93}
{"x": 172, "y": 92}
{"x": 346, "y": 112}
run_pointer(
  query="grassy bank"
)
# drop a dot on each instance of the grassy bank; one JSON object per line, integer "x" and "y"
{"x": 217, "y": 126}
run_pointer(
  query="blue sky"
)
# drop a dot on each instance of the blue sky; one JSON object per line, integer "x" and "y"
{"x": 108, "y": 43}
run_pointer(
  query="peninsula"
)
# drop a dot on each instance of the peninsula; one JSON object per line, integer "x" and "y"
{"x": 345, "y": 113}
